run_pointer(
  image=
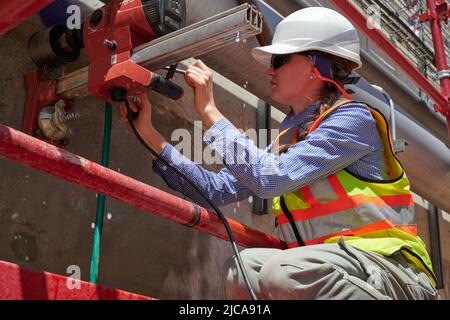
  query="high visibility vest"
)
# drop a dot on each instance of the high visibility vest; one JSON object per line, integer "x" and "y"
{"x": 371, "y": 214}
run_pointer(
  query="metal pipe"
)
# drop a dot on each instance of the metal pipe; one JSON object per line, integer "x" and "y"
{"x": 14, "y": 12}
{"x": 411, "y": 94}
{"x": 440, "y": 56}
{"x": 426, "y": 159}
{"x": 354, "y": 15}
{"x": 60, "y": 163}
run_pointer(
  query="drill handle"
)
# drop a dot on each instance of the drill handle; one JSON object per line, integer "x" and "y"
{"x": 165, "y": 87}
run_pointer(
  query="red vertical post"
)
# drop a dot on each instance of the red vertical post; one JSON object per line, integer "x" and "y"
{"x": 436, "y": 13}
{"x": 14, "y": 12}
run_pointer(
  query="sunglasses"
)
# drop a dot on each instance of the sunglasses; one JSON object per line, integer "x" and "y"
{"x": 279, "y": 60}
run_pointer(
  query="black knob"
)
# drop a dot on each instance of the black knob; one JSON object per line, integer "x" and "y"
{"x": 118, "y": 94}
{"x": 96, "y": 18}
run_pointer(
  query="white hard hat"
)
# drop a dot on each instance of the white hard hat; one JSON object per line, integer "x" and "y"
{"x": 314, "y": 28}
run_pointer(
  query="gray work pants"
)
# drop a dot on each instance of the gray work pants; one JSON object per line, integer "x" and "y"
{"x": 327, "y": 271}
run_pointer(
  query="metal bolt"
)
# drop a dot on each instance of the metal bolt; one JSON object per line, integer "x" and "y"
{"x": 111, "y": 44}
{"x": 68, "y": 116}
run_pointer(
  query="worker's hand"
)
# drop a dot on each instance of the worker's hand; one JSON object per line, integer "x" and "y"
{"x": 200, "y": 78}
{"x": 140, "y": 104}
{"x": 143, "y": 122}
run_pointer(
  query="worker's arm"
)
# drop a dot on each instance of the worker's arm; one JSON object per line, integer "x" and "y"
{"x": 346, "y": 138}
{"x": 143, "y": 122}
{"x": 221, "y": 188}
{"x": 200, "y": 78}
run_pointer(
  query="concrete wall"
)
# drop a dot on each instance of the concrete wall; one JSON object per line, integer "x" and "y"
{"x": 46, "y": 223}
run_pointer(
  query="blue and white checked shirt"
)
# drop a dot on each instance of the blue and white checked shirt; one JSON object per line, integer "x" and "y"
{"x": 347, "y": 138}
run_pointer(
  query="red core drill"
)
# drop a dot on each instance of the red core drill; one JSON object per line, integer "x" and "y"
{"x": 109, "y": 36}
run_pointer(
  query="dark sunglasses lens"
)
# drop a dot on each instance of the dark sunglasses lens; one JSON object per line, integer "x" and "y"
{"x": 278, "y": 61}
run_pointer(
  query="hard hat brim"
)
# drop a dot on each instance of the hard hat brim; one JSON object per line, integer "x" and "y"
{"x": 264, "y": 54}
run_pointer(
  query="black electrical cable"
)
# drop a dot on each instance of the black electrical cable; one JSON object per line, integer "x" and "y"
{"x": 218, "y": 211}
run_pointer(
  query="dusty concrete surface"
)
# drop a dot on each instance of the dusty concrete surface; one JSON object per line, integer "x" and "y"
{"x": 46, "y": 223}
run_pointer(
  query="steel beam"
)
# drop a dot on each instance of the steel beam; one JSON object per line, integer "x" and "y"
{"x": 34, "y": 153}
{"x": 18, "y": 283}
{"x": 14, "y": 12}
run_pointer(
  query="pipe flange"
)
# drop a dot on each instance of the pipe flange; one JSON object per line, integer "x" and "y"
{"x": 53, "y": 120}
{"x": 443, "y": 74}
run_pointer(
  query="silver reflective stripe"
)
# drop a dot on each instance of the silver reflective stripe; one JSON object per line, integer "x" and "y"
{"x": 354, "y": 218}
{"x": 288, "y": 233}
{"x": 323, "y": 192}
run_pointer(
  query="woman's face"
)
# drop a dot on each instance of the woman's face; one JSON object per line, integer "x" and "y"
{"x": 291, "y": 82}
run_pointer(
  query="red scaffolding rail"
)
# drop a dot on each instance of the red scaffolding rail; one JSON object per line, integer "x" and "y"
{"x": 435, "y": 14}
{"x": 60, "y": 163}
{"x": 18, "y": 283}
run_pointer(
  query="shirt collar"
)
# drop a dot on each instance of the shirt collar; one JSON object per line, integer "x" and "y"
{"x": 299, "y": 119}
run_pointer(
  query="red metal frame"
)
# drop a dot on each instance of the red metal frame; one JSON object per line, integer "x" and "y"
{"x": 14, "y": 12}
{"x": 20, "y": 147}
{"x": 126, "y": 25}
{"x": 18, "y": 283}
{"x": 436, "y": 14}
{"x": 40, "y": 93}
{"x": 360, "y": 20}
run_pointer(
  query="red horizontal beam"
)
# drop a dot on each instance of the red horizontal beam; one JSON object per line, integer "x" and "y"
{"x": 18, "y": 283}
{"x": 13, "y": 12}
{"x": 360, "y": 20}
{"x": 60, "y": 163}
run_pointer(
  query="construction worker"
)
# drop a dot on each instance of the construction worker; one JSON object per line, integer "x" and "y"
{"x": 340, "y": 196}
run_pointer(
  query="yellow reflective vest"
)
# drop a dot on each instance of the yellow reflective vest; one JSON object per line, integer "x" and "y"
{"x": 374, "y": 215}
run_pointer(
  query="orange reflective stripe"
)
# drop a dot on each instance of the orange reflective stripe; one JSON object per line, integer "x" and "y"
{"x": 377, "y": 226}
{"x": 308, "y": 196}
{"x": 337, "y": 186}
{"x": 292, "y": 245}
{"x": 350, "y": 202}
{"x": 323, "y": 115}
{"x": 282, "y": 219}
{"x": 294, "y": 138}
{"x": 384, "y": 224}
{"x": 412, "y": 230}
